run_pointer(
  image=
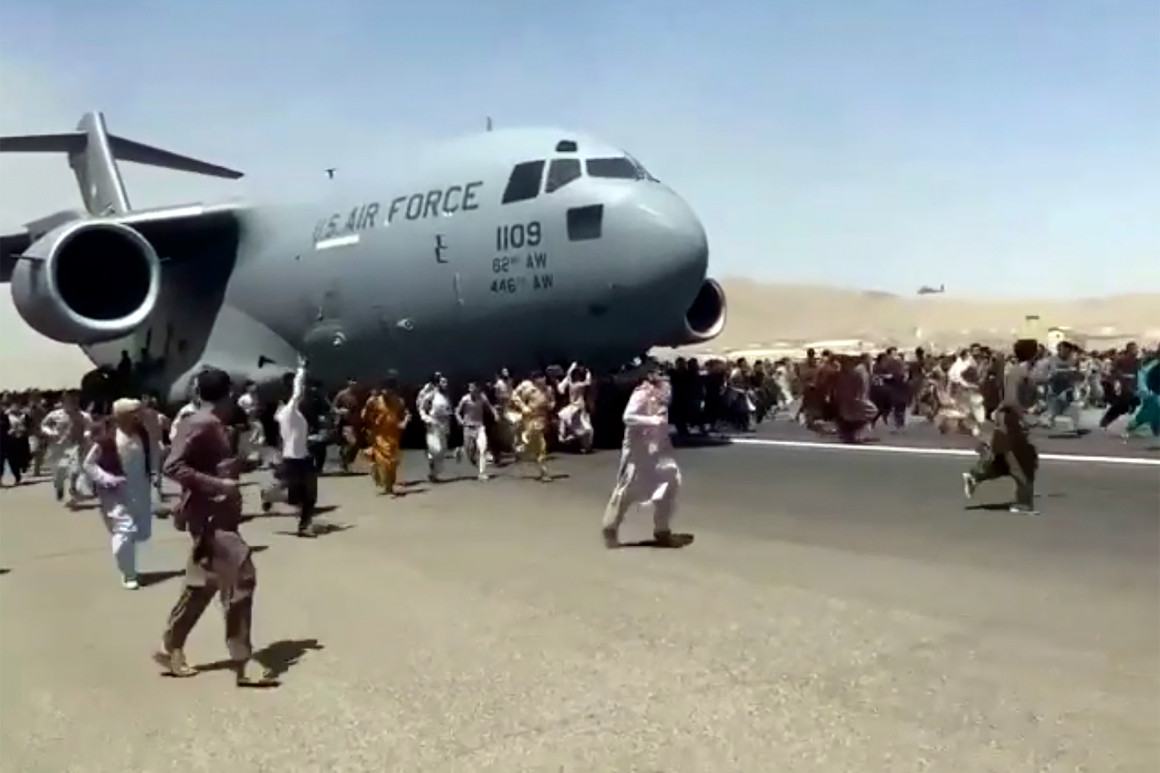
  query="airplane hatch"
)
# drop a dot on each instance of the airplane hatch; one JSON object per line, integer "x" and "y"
{"x": 585, "y": 223}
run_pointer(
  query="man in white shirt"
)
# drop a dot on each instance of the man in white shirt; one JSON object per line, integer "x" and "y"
{"x": 66, "y": 429}
{"x": 297, "y": 469}
{"x": 253, "y": 440}
{"x": 963, "y": 380}
{"x": 436, "y": 412}
{"x": 648, "y": 472}
{"x": 183, "y": 413}
{"x": 471, "y": 414}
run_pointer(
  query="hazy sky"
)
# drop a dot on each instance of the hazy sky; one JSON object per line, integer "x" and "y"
{"x": 877, "y": 143}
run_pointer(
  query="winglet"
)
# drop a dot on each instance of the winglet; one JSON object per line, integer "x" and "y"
{"x": 93, "y": 153}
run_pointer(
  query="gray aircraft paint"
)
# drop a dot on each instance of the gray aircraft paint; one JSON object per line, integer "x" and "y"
{"x": 465, "y": 285}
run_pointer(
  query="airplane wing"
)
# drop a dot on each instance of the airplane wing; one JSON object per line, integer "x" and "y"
{"x": 177, "y": 233}
{"x": 11, "y": 246}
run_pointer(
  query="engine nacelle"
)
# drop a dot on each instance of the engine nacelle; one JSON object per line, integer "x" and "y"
{"x": 87, "y": 281}
{"x": 705, "y": 318}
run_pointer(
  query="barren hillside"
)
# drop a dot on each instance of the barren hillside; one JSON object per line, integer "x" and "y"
{"x": 765, "y": 314}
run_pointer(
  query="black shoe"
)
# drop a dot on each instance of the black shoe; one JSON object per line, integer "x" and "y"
{"x": 245, "y": 677}
{"x": 666, "y": 539}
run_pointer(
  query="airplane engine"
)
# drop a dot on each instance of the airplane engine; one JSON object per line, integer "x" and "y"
{"x": 705, "y": 318}
{"x": 86, "y": 282}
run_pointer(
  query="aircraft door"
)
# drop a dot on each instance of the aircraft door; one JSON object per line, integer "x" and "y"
{"x": 326, "y": 337}
{"x": 429, "y": 296}
{"x": 412, "y": 310}
{"x": 449, "y": 269}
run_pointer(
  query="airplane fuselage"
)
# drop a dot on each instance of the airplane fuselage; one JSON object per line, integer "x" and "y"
{"x": 508, "y": 249}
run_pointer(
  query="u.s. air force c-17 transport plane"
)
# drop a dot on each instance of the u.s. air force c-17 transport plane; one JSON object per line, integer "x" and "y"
{"x": 510, "y": 248}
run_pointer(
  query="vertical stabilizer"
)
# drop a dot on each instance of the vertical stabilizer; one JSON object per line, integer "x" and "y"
{"x": 96, "y": 170}
{"x": 93, "y": 152}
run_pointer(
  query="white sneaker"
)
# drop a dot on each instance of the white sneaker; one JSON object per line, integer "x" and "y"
{"x": 484, "y": 476}
{"x": 969, "y": 485}
{"x": 130, "y": 583}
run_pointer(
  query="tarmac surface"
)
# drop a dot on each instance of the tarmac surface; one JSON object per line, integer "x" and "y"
{"x": 840, "y": 610}
{"x": 1062, "y": 440}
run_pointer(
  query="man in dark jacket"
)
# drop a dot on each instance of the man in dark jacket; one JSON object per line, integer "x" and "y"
{"x": 1010, "y": 451}
{"x": 220, "y": 561}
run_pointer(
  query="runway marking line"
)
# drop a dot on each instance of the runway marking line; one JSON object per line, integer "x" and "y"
{"x": 1128, "y": 461}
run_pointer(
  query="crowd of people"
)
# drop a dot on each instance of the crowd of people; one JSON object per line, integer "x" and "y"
{"x": 847, "y": 394}
{"x": 850, "y": 394}
{"x": 117, "y": 448}
{"x": 118, "y": 454}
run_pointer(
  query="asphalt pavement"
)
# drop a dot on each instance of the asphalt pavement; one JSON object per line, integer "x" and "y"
{"x": 920, "y": 433}
{"x": 839, "y": 610}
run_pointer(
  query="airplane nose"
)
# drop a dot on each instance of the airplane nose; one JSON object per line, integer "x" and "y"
{"x": 674, "y": 249}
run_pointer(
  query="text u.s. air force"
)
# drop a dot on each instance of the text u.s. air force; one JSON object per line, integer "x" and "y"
{"x": 413, "y": 206}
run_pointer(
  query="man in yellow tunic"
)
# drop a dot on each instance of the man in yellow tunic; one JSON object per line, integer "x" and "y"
{"x": 384, "y": 417}
{"x": 534, "y": 401}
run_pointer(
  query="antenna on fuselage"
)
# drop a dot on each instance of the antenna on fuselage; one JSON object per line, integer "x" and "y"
{"x": 489, "y": 123}
{"x": 330, "y": 173}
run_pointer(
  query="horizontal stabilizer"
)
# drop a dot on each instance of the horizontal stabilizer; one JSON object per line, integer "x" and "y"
{"x": 128, "y": 150}
{"x": 43, "y": 143}
{"x": 93, "y": 154}
{"x": 123, "y": 150}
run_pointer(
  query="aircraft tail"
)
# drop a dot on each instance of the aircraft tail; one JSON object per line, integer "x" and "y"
{"x": 93, "y": 153}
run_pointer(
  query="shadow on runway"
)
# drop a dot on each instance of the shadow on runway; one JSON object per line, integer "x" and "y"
{"x": 990, "y": 507}
{"x": 276, "y": 658}
{"x": 319, "y": 510}
{"x": 401, "y": 492}
{"x": 25, "y": 482}
{"x": 147, "y": 579}
{"x": 406, "y": 488}
{"x": 679, "y": 541}
{"x": 701, "y": 441}
{"x": 4, "y": 571}
{"x": 320, "y": 530}
{"x": 459, "y": 478}
{"x": 1066, "y": 435}
{"x": 281, "y": 656}
{"x": 259, "y": 548}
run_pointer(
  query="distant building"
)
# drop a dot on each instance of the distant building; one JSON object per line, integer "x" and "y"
{"x": 1057, "y": 335}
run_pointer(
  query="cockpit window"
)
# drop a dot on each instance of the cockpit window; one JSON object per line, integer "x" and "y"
{"x": 644, "y": 173}
{"x": 524, "y": 182}
{"x": 561, "y": 172}
{"x": 621, "y": 168}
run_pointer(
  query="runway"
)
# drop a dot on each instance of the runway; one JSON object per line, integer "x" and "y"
{"x": 918, "y": 434}
{"x": 838, "y": 611}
